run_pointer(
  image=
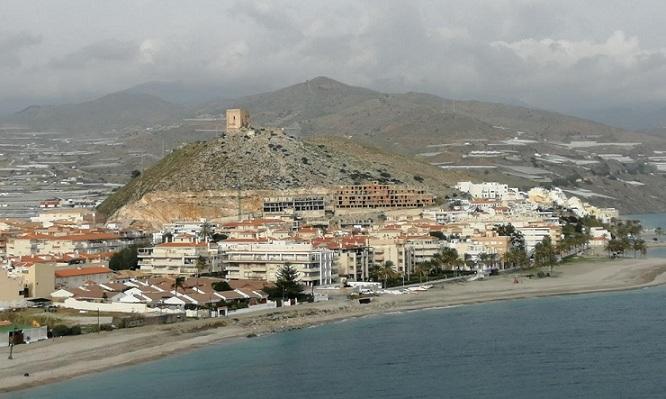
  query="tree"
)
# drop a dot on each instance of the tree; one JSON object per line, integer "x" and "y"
{"x": 509, "y": 230}
{"x": 385, "y": 272}
{"x": 446, "y": 258}
{"x": 179, "y": 283}
{"x": 287, "y": 284}
{"x": 484, "y": 258}
{"x": 544, "y": 253}
{"x": 615, "y": 247}
{"x": 126, "y": 258}
{"x": 639, "y": 246}
{"x": 438, "y": 234}
{"x": 201, "y": 264}
{"x": 206, "y": 232}
{"x": 659, "y": 231}
{"x": 423, "y": 269}
{"x": 516, "y": 257}
{"x": 221, "y": 286}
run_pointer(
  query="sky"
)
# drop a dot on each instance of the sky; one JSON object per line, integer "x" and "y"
{"x": 561, "y": 55}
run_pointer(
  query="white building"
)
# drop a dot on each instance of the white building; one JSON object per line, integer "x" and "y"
{"x": 193, "y": 228}
{"x": 179, "y": 258}
{"x": 74, "y": 277}
{"x": 536, "y": 234}
{"x": 486, "y": 190}
{"x": 262, "y": 261}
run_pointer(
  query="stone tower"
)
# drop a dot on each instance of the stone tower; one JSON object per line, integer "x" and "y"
{"x": 237, "y": 119}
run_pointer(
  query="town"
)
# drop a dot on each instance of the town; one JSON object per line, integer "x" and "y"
{"x": 340, "y": 243}
{"x": 358, "y": 240}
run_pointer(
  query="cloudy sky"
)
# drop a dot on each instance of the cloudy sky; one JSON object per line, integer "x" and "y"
{"x": 554, "y": 54}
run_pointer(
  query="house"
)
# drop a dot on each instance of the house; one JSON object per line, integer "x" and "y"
{"x": 74, "y": 277}
{"x": 186, "y": 257}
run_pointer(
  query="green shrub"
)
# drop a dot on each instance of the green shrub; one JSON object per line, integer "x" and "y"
{"x": 60, "y": 330}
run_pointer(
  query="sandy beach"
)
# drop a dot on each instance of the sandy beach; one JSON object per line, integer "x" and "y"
{"x": 62, "y": 358}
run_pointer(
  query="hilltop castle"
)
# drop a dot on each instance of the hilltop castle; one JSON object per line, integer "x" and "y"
{"x": 237, "y": 119}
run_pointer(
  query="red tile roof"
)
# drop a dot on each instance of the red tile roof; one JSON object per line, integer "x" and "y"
{"x": 182, "y": 244}
{"x": 84, "y": 271}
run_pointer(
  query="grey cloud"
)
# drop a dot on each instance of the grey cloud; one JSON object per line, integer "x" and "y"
{"x": 11, "y": 45}
{"x": 102, "y": 51}
{"x": 560, "y": 55}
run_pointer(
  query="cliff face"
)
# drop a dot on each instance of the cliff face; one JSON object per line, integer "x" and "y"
{"x": 159, "y": 207}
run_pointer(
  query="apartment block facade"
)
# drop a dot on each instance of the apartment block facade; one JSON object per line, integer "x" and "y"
{"x": 262, "y": 261}
{"x": 375, "y": 195}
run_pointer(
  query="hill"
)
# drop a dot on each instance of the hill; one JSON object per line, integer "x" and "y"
{"x": 116, "y": 111}
{"x": 271, "y": 161}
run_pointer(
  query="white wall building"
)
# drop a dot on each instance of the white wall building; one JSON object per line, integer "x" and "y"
{"x": 179, "y": 258}
{"x": 486, "y": 190}
{"x": 262, "y": 261}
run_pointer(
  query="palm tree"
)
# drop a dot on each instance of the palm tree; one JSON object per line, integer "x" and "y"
{"x": 201, "y": 264}
{"x": 206, "y": 231}
{"x": 423, "y": 270}
{"x": 639, "y": 245}
{"x": 545, "y": 254}
{"x": 447, "y": 257}
{"x": 483, "y": 258}
{"x": 386, "y": 272}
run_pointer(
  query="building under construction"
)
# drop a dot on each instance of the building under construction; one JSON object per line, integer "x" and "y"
{"x": 375, "y": 195}
{"x": 294, "y": 204}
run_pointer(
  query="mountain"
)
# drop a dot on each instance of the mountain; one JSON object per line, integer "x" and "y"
{"x": 179, "y": 92}
{"x": 644, "y": 116}
{"x": 408, "y": 121}
{"x": 291, "y": 105}
{"x": 116, "y": 111}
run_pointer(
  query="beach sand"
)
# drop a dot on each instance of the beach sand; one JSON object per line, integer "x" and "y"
{"x": 66, "y": 357}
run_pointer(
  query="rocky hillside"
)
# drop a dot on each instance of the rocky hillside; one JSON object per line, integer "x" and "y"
{"x": 272, "y": 160}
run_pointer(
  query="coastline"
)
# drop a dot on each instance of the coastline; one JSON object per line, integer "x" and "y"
{"x": 68, "y": 357}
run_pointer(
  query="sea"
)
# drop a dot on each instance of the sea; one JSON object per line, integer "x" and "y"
{"x": 608, "y": 345}
{"x": 604, "y": 345}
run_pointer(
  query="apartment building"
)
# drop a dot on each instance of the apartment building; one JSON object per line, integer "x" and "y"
{"x": 351, "y": 255}
{"x": 179, "y": 258}
{"x": 419, "y": 250}
{"x": 262, "y": 261}
{"x": 375, "y": 195}
{"x": 534, "y": 234}
{"x": 63, "y": 242}
{"x": 488, "y": 190}
{"x": 309, "y": 206}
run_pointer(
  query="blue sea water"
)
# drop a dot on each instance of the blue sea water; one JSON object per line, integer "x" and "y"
{"x": 584, "y": 346}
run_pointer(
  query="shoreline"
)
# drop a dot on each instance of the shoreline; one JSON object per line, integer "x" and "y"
{"x": 65, "y": 358}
